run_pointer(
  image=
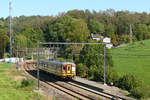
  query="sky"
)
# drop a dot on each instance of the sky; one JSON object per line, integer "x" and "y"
{"x": 54, "y": 7}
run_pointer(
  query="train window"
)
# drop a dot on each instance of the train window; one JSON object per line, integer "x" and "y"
{"x": 68, "y": 68}
{"x": 64, "y": 67}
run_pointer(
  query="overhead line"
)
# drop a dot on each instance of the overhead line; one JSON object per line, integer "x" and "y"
{"x": 69, "y": 43}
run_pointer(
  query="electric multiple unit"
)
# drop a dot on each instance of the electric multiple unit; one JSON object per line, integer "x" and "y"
{"x": 62, "y": 69}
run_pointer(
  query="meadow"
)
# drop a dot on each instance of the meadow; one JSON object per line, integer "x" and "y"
{"x": 133, "y": 59}
{"x": 11, "y": 87}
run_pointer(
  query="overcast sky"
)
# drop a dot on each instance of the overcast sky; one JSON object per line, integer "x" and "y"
{"x": 53, "y": 7}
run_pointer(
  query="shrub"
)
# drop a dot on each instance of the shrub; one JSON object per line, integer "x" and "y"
{"x": 26, "y": 82}
{"x": 92, "y": 71}
{"x": 141, "y": 92}
{"x": 129, "y": 82}
{"x": 111, "y": 76}
{"x": 97, "y": 74}
{"x": 81, "y": 69}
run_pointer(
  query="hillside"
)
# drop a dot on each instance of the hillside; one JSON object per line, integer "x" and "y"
{"x": 133, "y": 59}
{"x": 14, "y": 86}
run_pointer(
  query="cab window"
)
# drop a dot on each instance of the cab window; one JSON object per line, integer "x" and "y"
{"x": 69, "y": 68}
{"x": 64, "y": 67}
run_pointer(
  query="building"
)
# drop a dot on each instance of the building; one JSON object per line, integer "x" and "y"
{"x": 96, "y": 37}
{"x": 106, "y": 40}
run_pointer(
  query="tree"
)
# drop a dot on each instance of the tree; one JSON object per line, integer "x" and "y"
{"x": 96, "y": 27}
{"x": 79, "y": 31}
{"x": 3, "y": 44}
{"x": 20, "y": 41}
{"x": 81, "y": 69}
{"x": 94, "y": 55}
{"x": 68, "y": 29}
{"x": 78, "y": 14}
{"x": 141, "y": 31}
{"x": 114, "y": 39}
{"x": 109, "y": 30}
{"x": 33, "y": 35}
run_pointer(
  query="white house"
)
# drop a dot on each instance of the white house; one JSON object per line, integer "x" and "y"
{"x": 96, "y": 37}
{"x": 107, "y": 40}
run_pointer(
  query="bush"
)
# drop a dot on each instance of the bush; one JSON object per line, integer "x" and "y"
{"x": 141, "y": 92}
{"x": 92, "y": 71}
{"x": 97, "y": 74}
{"x": 81, "y": 69}
{"x": 129, "y": 82}
{"x": 26, "y": 82}
{"x": 111, "y": 76}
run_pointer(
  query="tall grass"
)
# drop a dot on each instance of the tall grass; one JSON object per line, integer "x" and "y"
{"x": 11, "y": 89}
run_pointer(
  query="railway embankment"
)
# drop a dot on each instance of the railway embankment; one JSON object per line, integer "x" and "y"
{"x": 15, "y": 86}
{"x": 110, "y": 90}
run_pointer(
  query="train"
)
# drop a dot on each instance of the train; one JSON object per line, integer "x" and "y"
{"x": 65, "y": 70}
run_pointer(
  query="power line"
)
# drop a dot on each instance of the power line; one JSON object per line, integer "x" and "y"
{"x": 70, "y": 43}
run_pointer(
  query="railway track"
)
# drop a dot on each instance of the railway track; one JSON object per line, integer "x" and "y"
{"x": 71, "y": 88}
{"x": 74, "y": 94}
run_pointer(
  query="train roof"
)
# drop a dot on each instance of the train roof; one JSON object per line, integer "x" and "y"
{"x": 55, "y": 62}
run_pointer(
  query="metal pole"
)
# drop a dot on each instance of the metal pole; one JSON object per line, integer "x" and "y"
{"x": 10, "y": 27}
{"x": 130, "y": 34}
{"x": 17, "y": 58}
{"x": 72, "y": 55}
{"x": 38, "y": 66}
{"x": 104, "y": 64}
{"x": 32, "y": 53}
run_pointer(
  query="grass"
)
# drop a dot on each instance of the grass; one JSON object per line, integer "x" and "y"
{"x": 11, "y": 89}
{"x": 133, "y": 59}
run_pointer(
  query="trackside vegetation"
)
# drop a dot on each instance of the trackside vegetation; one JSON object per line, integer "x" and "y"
{"x": 15, "y": 87}
{"x": 131, "y": 62}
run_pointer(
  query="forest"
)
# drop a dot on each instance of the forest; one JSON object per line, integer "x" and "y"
{"x": 75, "y": 26}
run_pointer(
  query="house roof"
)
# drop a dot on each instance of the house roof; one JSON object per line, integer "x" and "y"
{"x": 97, "y": 36}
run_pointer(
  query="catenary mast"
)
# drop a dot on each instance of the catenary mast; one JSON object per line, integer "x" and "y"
{"x": 10, "y": 28}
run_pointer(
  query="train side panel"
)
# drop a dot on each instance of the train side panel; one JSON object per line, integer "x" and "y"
{"x": 62, "y": 69}
{"x": 51, "y": 68}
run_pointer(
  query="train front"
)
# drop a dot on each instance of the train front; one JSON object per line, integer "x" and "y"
{"x": 68, "y": 70}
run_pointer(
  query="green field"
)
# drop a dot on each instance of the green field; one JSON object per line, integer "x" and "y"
{"x": 10, "y": 89}
{"x": 133, "y": 59}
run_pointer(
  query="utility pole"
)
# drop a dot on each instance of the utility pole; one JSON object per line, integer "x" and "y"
{"x": 105, "y": 64}
{"x": 10, "y": 28}
{"x": 130, "y": 34}
{"x": 17, "y": 58}
{"x": 38, "y": 66}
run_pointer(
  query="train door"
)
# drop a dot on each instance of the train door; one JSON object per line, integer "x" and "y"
{"x": 68, "y": 69}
